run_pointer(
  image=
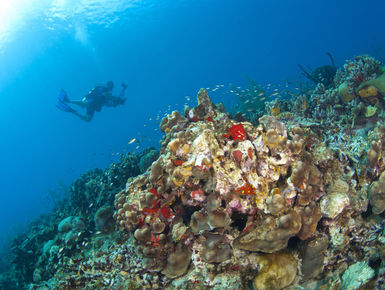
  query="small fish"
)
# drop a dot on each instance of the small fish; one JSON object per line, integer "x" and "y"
{"x": 98, "y": 233}
{"x": 131, "y": 141}
{"x": 91, "y": 205}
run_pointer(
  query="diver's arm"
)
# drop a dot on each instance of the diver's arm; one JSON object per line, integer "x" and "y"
{"x": 124, "y": 87}
{"x": 112, "y": 101}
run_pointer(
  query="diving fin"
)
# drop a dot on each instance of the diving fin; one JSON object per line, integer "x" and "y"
{"x": 64, "y": 107}
{"x": 63, "y": 97}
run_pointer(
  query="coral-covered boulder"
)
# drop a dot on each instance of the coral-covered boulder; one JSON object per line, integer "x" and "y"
{"x": 275, "y": 271}
{"x": 177, "y": 262}
{"x": 272, "y": 235}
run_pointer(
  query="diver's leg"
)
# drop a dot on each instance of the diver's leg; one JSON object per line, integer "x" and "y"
{"x": 85, "y": 117}
{"x": 79, "y": 103}
{"x": 89, "y": 113}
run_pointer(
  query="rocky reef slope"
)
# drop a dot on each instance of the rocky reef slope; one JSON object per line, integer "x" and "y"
{"x": 294, "y": 200}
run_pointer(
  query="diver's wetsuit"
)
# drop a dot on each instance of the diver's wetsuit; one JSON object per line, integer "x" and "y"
{"x": 96, "y": 99}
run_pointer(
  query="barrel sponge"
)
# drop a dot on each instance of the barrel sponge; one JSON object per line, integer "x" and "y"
{"x": 276, "y": 271}
{"x": 104, "y": 218}
{"x": 377, "y": 195}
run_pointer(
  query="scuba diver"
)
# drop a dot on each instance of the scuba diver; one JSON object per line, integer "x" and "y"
{"x": 97, "y": 98}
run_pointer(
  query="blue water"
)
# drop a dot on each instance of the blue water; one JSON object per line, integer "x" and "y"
{"x": 164, "y": 50}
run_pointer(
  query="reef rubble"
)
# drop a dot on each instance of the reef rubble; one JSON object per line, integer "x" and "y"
{"x": 294, "y": 200}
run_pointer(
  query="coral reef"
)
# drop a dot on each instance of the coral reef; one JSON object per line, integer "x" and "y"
{"x": 292, "y": 200}
{"x": 68, "y": 240}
